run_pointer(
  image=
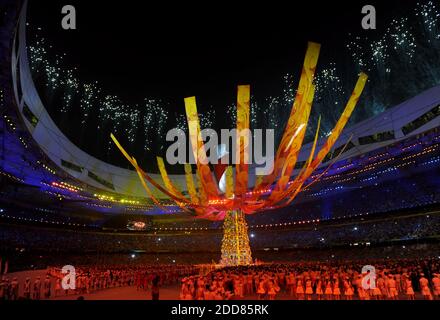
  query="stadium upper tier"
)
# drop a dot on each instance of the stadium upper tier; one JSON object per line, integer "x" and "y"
{"x": 371, "y": 231}
{"x": 42, "y": 165}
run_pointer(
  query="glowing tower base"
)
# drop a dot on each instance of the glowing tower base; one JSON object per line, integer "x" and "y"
{"x": 235, "y": 245}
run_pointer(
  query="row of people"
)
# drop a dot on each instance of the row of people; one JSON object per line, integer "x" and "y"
{"x": 92, "y": 279}
{"x": 317, "y": 281}
{"x": 38, "y": 289}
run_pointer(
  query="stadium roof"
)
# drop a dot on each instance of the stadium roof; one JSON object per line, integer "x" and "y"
{"x": 409, "y": 118}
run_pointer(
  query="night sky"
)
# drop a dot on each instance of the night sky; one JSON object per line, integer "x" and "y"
{"x": 171, "y": 51}
{"x": 163, "y": 49}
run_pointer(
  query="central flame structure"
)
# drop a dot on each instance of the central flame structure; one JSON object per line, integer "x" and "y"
{"x": 235, "y": 245}
{"x": 275, "y": 190}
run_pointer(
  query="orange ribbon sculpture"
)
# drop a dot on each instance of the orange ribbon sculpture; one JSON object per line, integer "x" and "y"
{"x": 272, "y": 191}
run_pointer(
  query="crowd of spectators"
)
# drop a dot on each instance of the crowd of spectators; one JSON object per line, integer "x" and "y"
{"x": 398, "y": 194}
{"x": 373, "y": 231}
{"x": 361, "y": 231}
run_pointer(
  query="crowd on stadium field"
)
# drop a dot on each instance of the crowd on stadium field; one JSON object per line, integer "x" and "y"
{"x": 90, "y": 279}
{"x": 339, "y": 280}
{"x": 393, "y": 280}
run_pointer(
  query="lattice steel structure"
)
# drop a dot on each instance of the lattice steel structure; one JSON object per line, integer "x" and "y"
{"x": 235, "y": 244}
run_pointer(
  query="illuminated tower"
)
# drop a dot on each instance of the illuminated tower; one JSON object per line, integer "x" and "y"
{"x": 235, "y": 244}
